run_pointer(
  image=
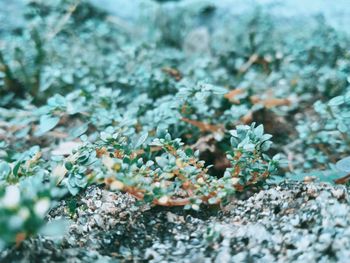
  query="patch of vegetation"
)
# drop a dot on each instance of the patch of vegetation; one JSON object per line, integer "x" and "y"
{"x": 173, "y": 111}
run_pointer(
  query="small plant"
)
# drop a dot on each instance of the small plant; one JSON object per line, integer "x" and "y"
{"x": 27, "y": 191}
{"x": 23, "y": 207}
{"x": 250, "y": 164}
{"x": 165, "y": 172}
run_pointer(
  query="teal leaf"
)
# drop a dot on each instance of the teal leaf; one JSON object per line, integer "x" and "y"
{"x": 322, "y": 176}
{"x": 5, "y": 170}
{"x": 80, "y": 130}
{"x": 47, "y": 123}
{"x": 141, "y": 140}
{"x": 259, "y": 131}
{"x": 342, "y": 127}
{"x": 16, "y": 168}
{"x": 73, "y": 189}
{"x": 343, "y": 164}
{"x": 336, "y": 101}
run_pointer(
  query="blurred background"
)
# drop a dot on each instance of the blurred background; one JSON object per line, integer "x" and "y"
{"x": 337, "y": 12}
{"x": 101, "y": 36}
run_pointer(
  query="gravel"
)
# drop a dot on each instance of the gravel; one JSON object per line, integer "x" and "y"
{"x": 292, "y": 222}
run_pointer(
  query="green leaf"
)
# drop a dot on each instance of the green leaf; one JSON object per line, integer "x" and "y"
{"x": 259, "y": 131}
{"x": 57, "y": 101}
{"x": 249, "y": 147}
{"x": 343, "y": 164}
{"x": 47, "y": 123}
{"x": 342, "y": 127}
{"x": 161, "y": 161}
{"x": 141, "y": 140}
{"x": 74, "y": 190}
{"x": 336, "y": 101}
{"x": 80, "y": 130}
{"x": 5, "y": 170}
{"x": 16, "y": 168}
{"x": 324, "y": 176}
{"x": 68, "y": 165}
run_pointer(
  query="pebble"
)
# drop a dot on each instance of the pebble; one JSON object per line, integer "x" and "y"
{"x": 293, "y": 222}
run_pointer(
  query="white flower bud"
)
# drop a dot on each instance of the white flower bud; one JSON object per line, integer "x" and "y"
{"x": 42, "y": 206}
{"x": 12, "y": 197}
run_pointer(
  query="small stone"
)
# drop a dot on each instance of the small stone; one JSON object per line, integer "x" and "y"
{"x": 98, "y": 204}
{"x": 99, "y": 220}
{"x": 339, "y": 193}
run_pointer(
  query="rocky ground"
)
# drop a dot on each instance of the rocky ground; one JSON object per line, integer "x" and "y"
{"x": 292, "y": 222}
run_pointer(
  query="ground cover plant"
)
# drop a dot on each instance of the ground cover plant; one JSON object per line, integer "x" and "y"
{"x": 185, "y": 112}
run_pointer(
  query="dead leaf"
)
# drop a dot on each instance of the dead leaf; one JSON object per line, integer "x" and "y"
{"x": 232, "y": 94}
{"x": 203, "y": 126}
{"x": 274, "y": 102}
{"x": 20, "y": 237}
{"x": 270, "y": 102}
{"x": 101, "y": 152}
{"x": 247, "y": 118}
{"x": 343, "y": 180}
{"x": 173, "y": 73}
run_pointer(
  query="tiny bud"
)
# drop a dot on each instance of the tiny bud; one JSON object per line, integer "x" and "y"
{"x": 235, "y": 180}
{"x": 116, "y": 186}
{"x": 200, "y": 180}
{"x": 163, "y": 200}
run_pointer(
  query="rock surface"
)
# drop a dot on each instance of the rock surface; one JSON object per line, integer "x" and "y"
{"x": 292, "y": 222}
